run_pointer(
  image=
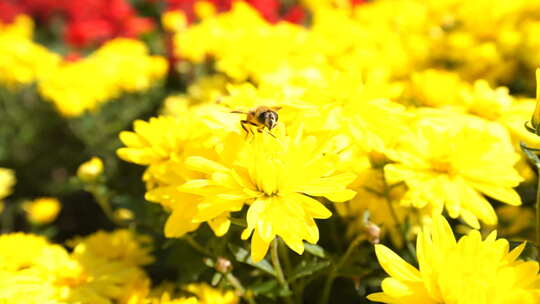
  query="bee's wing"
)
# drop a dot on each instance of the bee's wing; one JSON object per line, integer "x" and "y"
{"x": 275, "y": 108}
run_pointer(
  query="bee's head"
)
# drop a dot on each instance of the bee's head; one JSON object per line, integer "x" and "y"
{"x": 269, "y": 119}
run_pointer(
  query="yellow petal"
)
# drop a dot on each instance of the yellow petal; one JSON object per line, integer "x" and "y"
{"x": 220, "y": 225}
{"x": 503, "y": 194}
{"x": 177, "y": 225}
{"x": 132, "y": 140}
{"x": 259, "y": 247}
{"x": 315, "y": 208}
{"x": 395, "y": 266}
{"x": 204, "y": 165}
{"x": 442, "y": 234}
{"x": 381, "y": 297}
{"x": 328, "y": 185}
{"x": 515, "y": 253}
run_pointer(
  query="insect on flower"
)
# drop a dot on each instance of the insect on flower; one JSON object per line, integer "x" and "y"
{"x": 261, "y": 117}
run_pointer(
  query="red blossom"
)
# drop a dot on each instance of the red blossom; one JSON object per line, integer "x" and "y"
{"x": 295, "y": 14}
{"x": 8, "y": 11}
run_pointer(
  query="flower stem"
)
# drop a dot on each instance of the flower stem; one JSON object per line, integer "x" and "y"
{"x": 531, "y": 154}
{"x": 239, "y": 288}
{"x": 102, "y": 199}
{"x": 334, "y": 271}
{"x": 538, "y": 216}
{"x": 8, "y": 217}
{"x": 277, "y": 268}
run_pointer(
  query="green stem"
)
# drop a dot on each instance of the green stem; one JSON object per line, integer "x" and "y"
{"x": 277, "y": 268}
{"x": 7, "y": 217}
{"x": 399, "y": 225}
{"x": 538, "y": 216}
{"x": 530, "y": 152}
{"x": 333, "y": 273}
{"x": 284, "y": 255}
{"x": 239, "y": 288}
{"x": 103, "y": 201}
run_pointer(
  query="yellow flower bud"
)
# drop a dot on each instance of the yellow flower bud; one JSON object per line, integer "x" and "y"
{"x": 204, "y": 9}
{"x": 7, "y": 180}
{"x": 42, "y": 210}
{"x": 174, "y": 21}
{"x": 123, "y": 214}
{"x": 535, "y": 121}
{"x": 90, "y": 170}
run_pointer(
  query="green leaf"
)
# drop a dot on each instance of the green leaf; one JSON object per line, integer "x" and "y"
{"x": 315, "y": 250}
{"x": 530, "y": 152}
{"x": 307, "y": 268}
{"x": 267, "y": 288}
{"x": 238, "y": 222}
{"x": 216, "y": 278}
{"x": 242, "y": 255}
{"x": 271, "y": 289}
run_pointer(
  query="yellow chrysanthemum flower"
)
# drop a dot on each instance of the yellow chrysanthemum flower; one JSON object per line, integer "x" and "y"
{"x": 98, "y": 271}
{"x": 470, "y": 270}
{"x": 174, "y": 21}
{"x": 380, "y": 200}
{"x": 120, "y": 244}
{"x": 202, "y": 294}
{"x": 450, "y": 161}
{"x": 516, "y": 221}
{"x": 208, "y": 295}
{"x": 119, "y": 66}
{"x": 166, "y": 299}
{"x": 22, "y": 61}
{"x": 42, "y": 210}
{"x": 22, "y": 26}
{"x": 278, "y": 178}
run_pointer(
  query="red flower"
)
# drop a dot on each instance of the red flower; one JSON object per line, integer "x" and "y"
{"x": 85, "y": 32}
{"x": 295, "y": 14}
{"x": 8, "y": 11}
{"x": 269, "y": 9}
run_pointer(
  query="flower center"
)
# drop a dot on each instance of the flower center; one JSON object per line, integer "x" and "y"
{"x": 443, "y": 166}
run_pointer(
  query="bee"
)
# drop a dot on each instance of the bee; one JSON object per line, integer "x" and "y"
{"x": 261, "y": 117}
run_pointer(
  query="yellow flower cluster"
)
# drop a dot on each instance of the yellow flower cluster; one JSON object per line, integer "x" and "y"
{"x": 469, "y": 271}
{"x": 410, "y": 103}
{"x": 202, "y": 294}
{"x": 395, "y": 112}
{"x": 21, "y": 60}
{"x": 103, "y": 268}
{"x": 119, "y": 66}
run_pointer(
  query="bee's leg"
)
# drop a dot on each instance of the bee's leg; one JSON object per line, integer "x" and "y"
{"x": 271, "y": 134}
{"x": 243, "y": 125}
{"x": 248, "y": 130}
{"x": 267, "y": 132}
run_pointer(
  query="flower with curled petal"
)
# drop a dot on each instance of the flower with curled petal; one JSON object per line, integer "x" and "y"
{"x": 469, "y": 271}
